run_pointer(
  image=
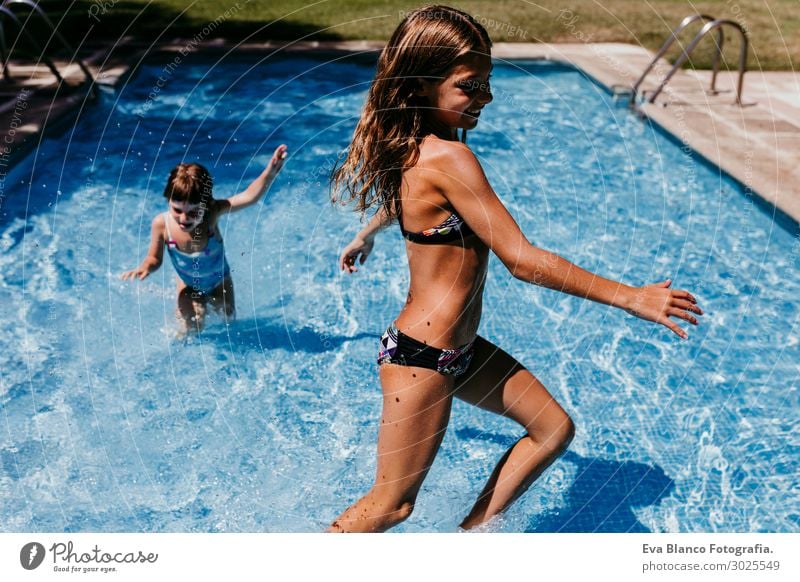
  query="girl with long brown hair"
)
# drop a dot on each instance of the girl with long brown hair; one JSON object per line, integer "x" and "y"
{"x": 406, "y": 160}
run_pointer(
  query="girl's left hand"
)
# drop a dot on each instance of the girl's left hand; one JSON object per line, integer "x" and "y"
{"x": 658, "y": 302}
{"x": 276, "y": 163}
{"x": 356, "y": 252}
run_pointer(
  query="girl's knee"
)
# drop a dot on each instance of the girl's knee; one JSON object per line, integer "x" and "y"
{"x": 566, "y": 433}
{"x": 557, "y": 435}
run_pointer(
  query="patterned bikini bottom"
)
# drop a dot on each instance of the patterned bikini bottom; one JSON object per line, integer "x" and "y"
{"x": 398, "y": 348}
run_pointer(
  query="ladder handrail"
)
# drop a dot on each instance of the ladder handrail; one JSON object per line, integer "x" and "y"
{"x": 3, "y": 57}
{"x": 708, "y": 27}
{"x": 672, "y": 38}
{"x": 6, "y": 55}
{"x": 5, "y": 8}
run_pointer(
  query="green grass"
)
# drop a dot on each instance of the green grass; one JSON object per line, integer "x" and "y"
{"x": 773, "y": 25}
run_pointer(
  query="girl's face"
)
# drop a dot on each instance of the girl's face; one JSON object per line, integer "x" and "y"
{"x": 456, "y": 101}
{"x": 187, "y": 215}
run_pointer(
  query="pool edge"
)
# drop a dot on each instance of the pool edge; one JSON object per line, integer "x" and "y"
{"x": 759, "y": 171}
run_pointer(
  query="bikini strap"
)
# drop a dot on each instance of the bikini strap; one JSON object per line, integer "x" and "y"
{"x": 166, "y": 225}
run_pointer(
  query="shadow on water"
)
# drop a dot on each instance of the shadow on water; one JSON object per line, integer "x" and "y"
{"x": 603, "y": 496}
{"x": 268, "y": 334}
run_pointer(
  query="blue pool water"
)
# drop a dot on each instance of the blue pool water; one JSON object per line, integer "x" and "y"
{"x": 269, "y": 424}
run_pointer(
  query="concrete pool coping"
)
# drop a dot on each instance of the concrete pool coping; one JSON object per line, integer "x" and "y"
{"x": 758, "y": 144}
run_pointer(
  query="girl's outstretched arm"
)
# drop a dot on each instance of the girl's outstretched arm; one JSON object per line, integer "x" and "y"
{"x": 257, "y": 187}
{"x": 155, "y": 254}
{"x": 459, "y": 175}
{"x": 361, "y": 246}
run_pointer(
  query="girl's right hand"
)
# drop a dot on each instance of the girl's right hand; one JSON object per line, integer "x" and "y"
{"x": 277, "y": 161}
{"x": 141, "y": 272}
{"x": 357, "y": 251}
{"x": 657, "y": 303}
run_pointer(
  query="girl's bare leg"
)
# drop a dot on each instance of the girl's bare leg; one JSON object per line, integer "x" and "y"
{"x": 416, "y": 409}
{"x": 191, "y": 312}
{"x": 498, "y": 383}
{"x": 222, "y": 299}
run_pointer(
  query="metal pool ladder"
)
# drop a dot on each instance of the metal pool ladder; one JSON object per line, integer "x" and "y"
{"x": 710, "y": 25}
{"x": 7, "y": 12}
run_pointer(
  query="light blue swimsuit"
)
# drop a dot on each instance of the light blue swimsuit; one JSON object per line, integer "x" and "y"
{"x": 202, "y": 271}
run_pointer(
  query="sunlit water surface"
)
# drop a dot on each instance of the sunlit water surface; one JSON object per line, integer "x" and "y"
{"x": 269, "y": 424}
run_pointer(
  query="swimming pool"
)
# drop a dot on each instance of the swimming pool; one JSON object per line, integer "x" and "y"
{"x": 269, "y": 424}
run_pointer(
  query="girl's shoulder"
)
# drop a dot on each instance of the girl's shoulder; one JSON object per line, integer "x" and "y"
{"x": 215, "y": 208}
{"x": 159, "y": 223}
{"x": 433, "y": 147}
{"x": 444, "y": 155}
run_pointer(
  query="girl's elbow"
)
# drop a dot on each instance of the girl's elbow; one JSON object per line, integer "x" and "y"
{"x": 531, "y": 265}
{"x": 517, "y": 271}
{"x": 526, "y": 273}
{"x": 545, "y": 269}
{"x": 242, "y": 204}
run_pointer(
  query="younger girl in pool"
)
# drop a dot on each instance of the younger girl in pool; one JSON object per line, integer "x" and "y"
{"x": 406, "y": 160}
{"x": 190, "y": 233}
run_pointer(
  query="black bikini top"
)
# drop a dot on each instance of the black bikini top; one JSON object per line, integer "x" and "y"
{"x": 453, "y": 228}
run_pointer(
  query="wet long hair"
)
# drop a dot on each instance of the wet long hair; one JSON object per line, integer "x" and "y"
{"x": 189, "y": 183}
{"x": 386, "y": 141}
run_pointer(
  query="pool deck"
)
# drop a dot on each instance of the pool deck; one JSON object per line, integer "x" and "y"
{"x": 757, "y": 143}
{"x": 32, "y": 103}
